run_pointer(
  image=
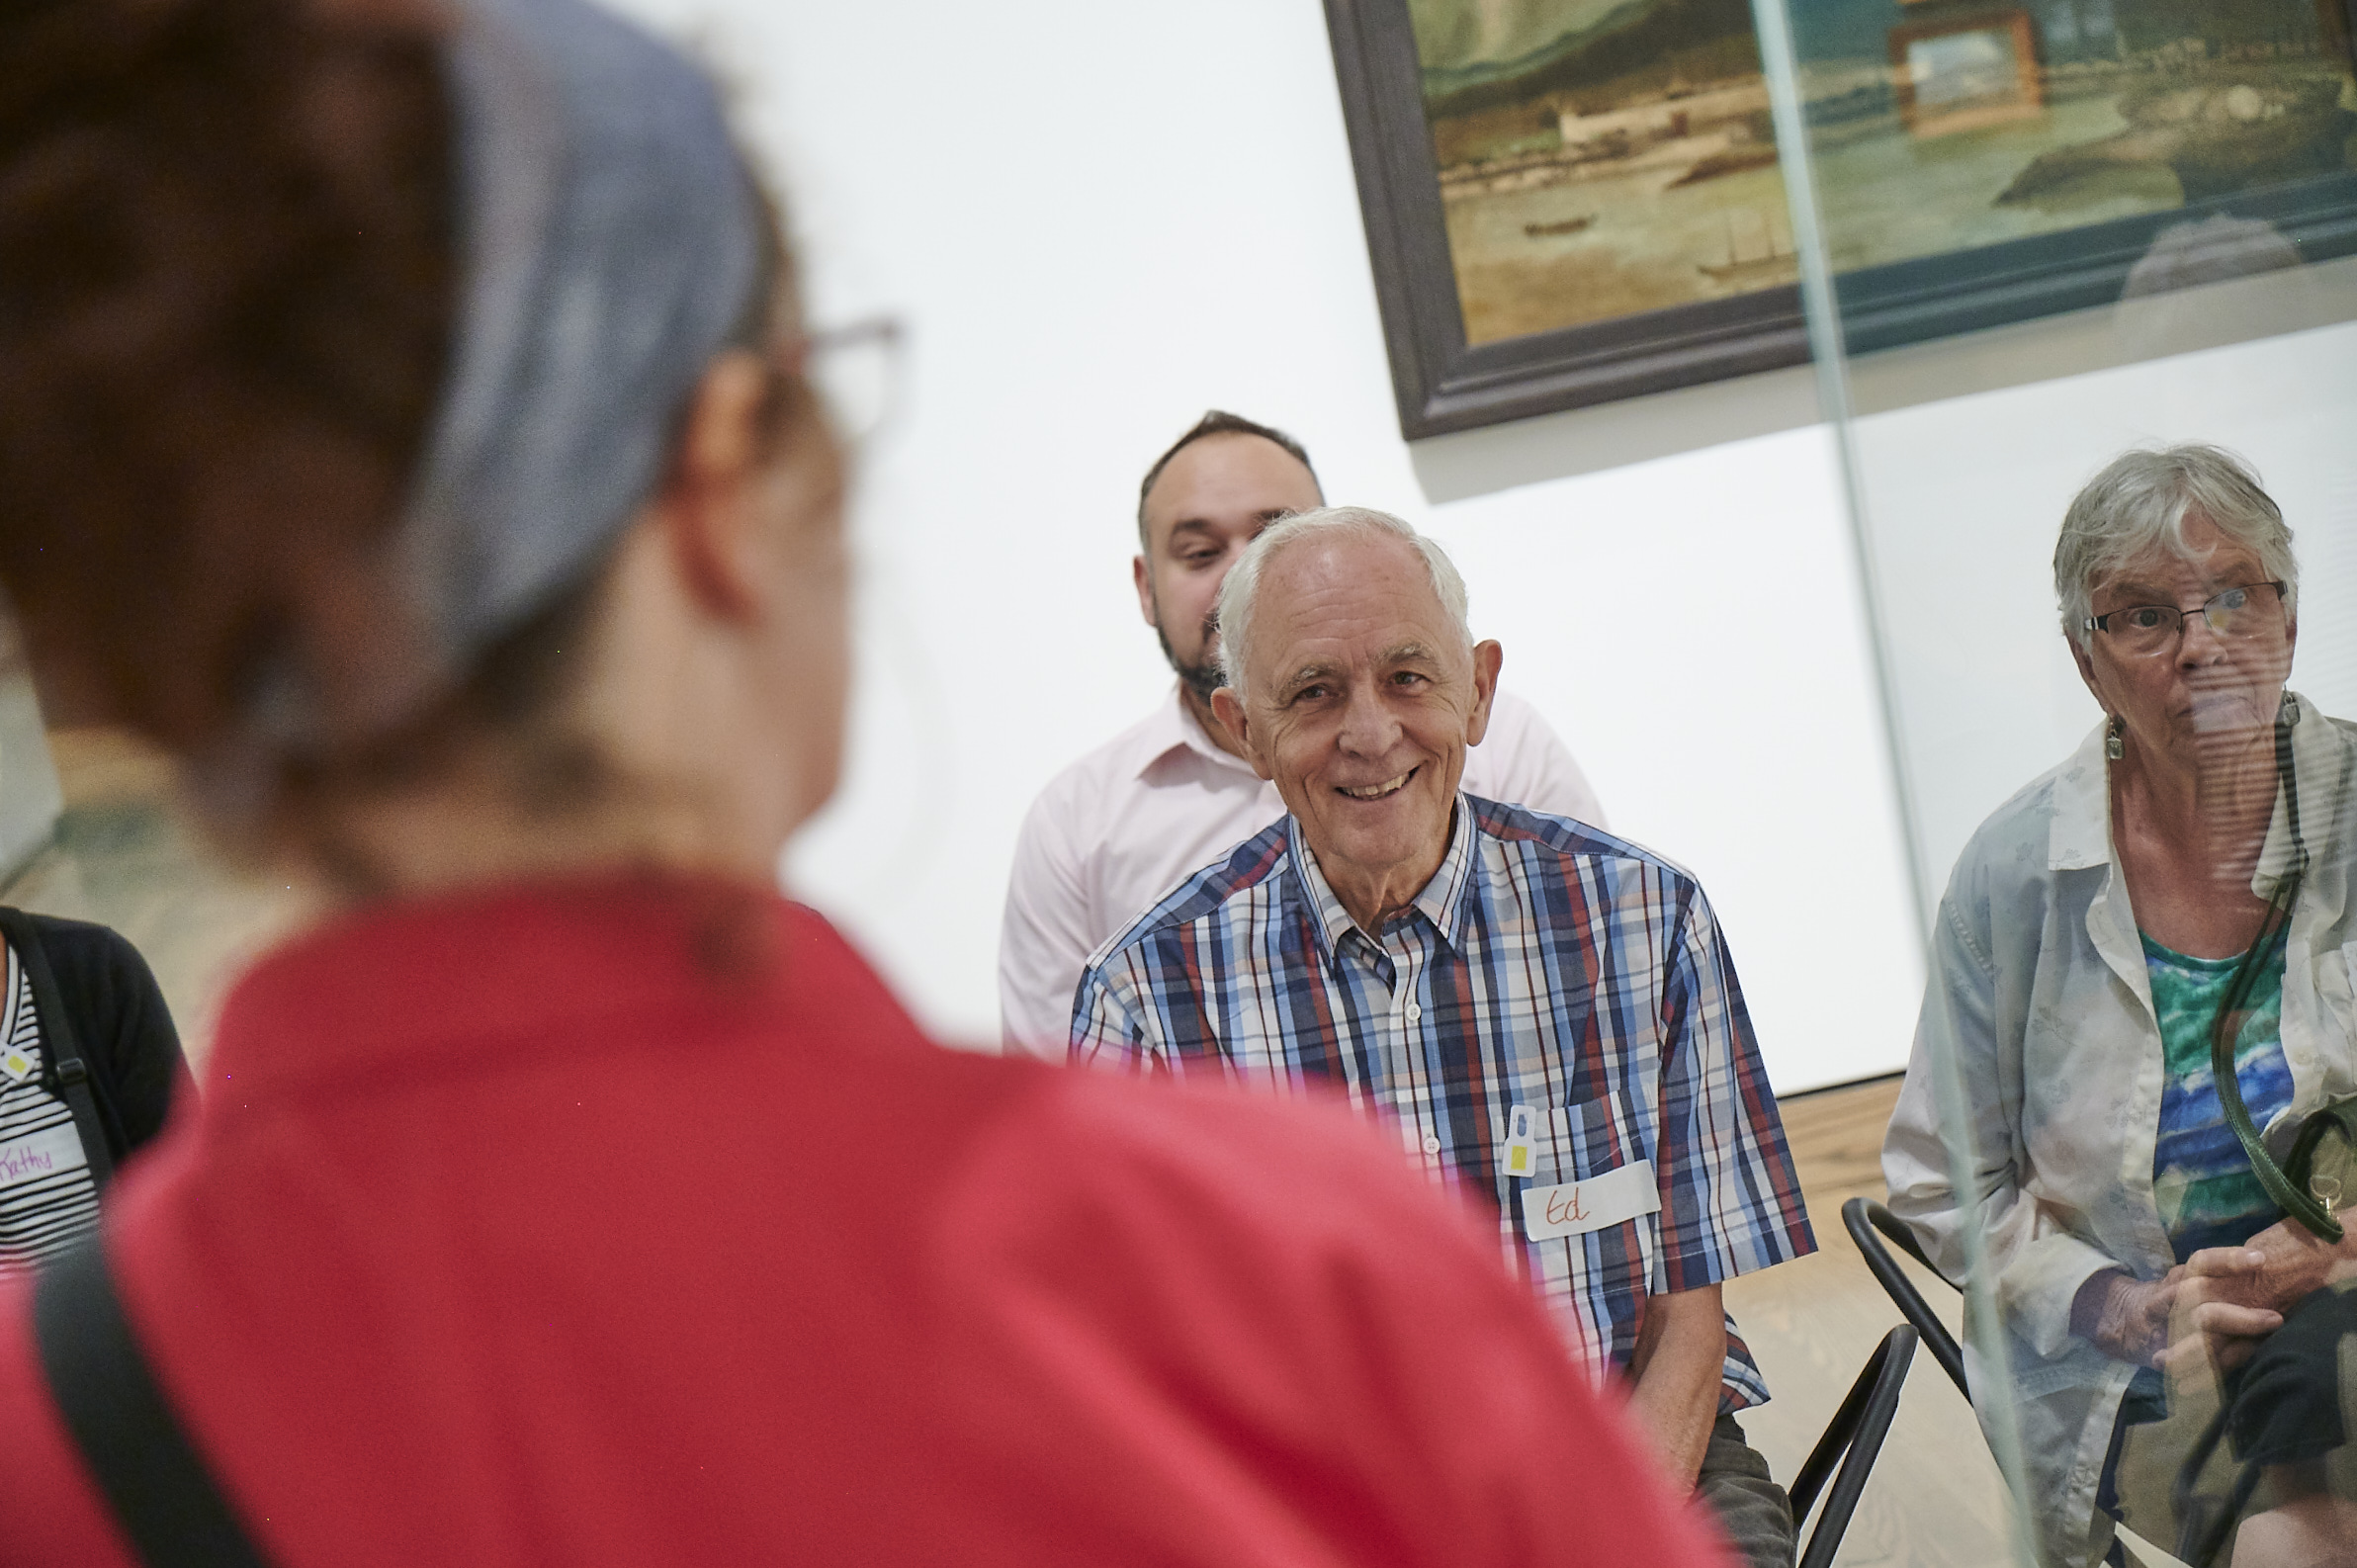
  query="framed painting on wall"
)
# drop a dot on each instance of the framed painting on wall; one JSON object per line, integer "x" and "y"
{"x": 1569, "y": 202}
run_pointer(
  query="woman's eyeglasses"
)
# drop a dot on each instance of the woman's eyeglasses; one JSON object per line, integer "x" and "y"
{"x": 855, "y": 371}
{"x": 2146, "y": 629}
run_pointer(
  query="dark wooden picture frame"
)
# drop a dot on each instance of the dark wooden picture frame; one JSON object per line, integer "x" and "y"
{"x": 1444, "y": 384}
{"x": 1441, "y": 381}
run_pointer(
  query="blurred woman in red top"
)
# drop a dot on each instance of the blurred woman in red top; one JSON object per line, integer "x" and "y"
{"x": 403, "y": 421}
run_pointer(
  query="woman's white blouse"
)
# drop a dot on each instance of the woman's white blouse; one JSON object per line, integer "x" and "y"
{"x": 2040, "y": 1008}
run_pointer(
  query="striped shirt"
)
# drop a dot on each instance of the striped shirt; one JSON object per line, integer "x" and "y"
{"x": 1545, "y": 965}
{"x": 2203, "y": 1182}
{"x": 47, "y": 1196}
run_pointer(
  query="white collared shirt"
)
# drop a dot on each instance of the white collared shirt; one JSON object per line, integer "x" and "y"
{"x": 2041, "y": 1002}
{"x": 1124, "y": 825}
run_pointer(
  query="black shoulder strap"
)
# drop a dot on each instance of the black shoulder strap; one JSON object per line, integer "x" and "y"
{"x": 68, "y": 1073}
{"x": 152, "y": 1477}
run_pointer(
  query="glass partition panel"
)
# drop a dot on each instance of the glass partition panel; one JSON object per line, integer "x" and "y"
{"x": 2082, "y": 286}
{"x": 29, "y": 794}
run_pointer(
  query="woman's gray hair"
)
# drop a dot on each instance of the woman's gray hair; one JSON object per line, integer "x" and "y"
{"x": 1241, "y": 589}
{"x": 2140, "y": 502}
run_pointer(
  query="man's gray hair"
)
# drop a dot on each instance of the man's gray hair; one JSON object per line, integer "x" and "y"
{"x": 1241, "y": 589}
{"x": 2140, "y": 502}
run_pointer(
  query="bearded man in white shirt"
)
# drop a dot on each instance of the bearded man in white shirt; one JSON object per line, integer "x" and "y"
{"x": 1121, "y": 826}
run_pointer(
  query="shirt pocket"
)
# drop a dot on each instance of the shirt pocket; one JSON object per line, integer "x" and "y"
{"x": 1614, "y": 1263}
{"x": 1581, "y": 1142}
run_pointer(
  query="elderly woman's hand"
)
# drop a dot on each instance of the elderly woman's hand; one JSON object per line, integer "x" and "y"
{"x": 2298, "y": 1261}
{"x": 2232, "y": 1296}
{"x": 2127, "y": 1318}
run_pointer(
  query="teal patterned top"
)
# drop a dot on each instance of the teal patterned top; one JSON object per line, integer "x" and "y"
{"x": 2209, "y": 1195}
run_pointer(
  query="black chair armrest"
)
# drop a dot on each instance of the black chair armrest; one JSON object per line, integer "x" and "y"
{"x": 1863, "y": 1218}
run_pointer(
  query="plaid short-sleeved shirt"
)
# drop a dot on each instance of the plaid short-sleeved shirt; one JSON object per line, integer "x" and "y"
{"x": 1545, "y": 965}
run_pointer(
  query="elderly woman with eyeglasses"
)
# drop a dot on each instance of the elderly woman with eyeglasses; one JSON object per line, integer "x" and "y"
{"x": 2198, "y": 841}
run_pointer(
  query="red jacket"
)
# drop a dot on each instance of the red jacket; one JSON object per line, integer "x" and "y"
{"x": 636, "y": 1224}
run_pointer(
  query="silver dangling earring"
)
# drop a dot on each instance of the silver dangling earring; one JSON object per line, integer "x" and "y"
{"x": 2113, "y": 746}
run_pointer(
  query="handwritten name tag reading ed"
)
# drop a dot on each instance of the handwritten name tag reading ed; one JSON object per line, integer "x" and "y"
{"x": 1574, "y": 1208}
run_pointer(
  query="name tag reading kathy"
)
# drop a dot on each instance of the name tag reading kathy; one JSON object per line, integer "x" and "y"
{"x": 45, "y": 1154}
{"x": 1577, "y": 1208}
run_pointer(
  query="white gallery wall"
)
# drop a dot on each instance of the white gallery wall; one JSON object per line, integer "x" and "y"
{"x": 1097, "y": 222}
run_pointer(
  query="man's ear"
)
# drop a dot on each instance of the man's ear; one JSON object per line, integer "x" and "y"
{"x": 1488, "y": 657}
{"x": 1227, "y": 709}
{"x": 708, "y": 507}
{"x": 1143, "y": 575}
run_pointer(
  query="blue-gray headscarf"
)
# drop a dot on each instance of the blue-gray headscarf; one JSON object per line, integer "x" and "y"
{"x": 609, "y": 241}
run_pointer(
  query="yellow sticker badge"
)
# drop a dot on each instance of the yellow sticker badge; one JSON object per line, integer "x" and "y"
{"x": 1521, "y": 1154}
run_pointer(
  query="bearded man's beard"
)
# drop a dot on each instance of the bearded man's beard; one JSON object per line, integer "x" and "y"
{"x": 1202, "y": 679}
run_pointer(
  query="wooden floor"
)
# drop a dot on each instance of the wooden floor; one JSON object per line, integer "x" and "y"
{"x": 1935, "y": 1498}
{"x": 124, "y": 858}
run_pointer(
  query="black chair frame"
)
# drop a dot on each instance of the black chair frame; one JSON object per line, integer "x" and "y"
{"x": 1862, "y": 1218}
{"x": 1854, "y": 1439}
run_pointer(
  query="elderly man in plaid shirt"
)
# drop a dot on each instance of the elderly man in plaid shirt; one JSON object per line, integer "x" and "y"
{"x": 1546, "y": 1013}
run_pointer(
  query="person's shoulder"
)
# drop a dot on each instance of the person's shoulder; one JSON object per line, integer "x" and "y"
{"x": 1195, "y": 1131}
{"x": 1074, "y": 809}
{"x": 62, "y": 928}
{"x": 2013, "y": 840}
{"x": 1573, "y": 840}
{"x": 1260, "y": 1183}
{"x": 1109, "y": 763}
{"x": 2342, "y": 730}
{"x": 73, "y": 947}
{"x": 1303, "y": 1293}
{"x": 1243, "y": 869}
{"x": 1016, "y": 1146}
{"x": 1517, "y": 726}
{"x": 1520, "y": 752}
{"x": 2324, "y": 760}
{"x": 1517, "y": 713}
{"x": 2014, "y": 863}
{"x": 1522, "y": 759}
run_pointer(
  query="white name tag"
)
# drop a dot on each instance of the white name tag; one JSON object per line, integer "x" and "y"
{"x": 1577, "y": 1208}
{"x": 45, "y": 1154}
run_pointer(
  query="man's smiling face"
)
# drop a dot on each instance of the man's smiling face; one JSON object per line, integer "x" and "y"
{"x": 1361, "y": 703}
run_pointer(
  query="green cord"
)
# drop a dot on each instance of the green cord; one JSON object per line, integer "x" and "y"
{"x": 2300, "y": 1205}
